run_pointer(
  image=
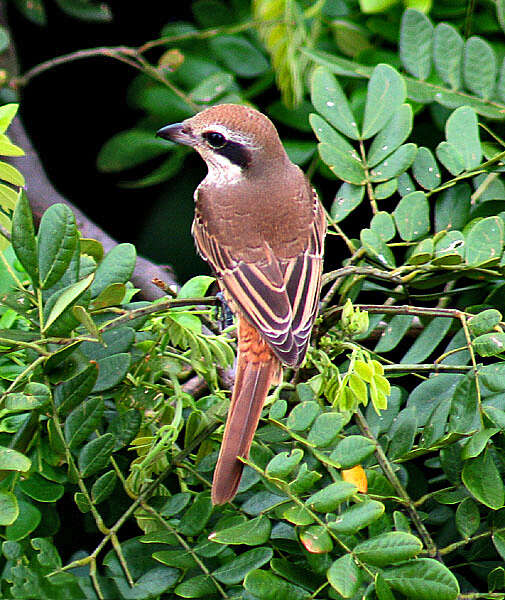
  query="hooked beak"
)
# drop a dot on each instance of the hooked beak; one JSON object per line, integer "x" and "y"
{"x": 178, "y": 133}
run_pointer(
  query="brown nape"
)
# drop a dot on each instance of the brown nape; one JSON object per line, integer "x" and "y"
{"x": 256, "y": 368}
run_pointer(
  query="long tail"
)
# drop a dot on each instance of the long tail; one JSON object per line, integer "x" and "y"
{"x": 257, "y": 367}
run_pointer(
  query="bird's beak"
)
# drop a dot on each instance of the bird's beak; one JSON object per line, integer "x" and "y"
{"x": 178, "y": 133}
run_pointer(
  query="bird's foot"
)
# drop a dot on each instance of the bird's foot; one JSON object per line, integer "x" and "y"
{"x": 225, "y": 315}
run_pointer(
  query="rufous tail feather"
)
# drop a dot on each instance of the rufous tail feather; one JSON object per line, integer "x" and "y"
{"x": 257, "y": 367}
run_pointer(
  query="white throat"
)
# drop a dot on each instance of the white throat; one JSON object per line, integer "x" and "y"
{"x": 222, "y": 171}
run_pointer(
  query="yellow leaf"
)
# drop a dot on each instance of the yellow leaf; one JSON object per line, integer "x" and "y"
{"x": 357, "y": 476}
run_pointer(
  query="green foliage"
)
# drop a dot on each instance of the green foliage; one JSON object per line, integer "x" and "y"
{"x": 377, "y": 469}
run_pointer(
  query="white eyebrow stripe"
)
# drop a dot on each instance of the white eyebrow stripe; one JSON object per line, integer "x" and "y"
{"x": 231, "y": 136}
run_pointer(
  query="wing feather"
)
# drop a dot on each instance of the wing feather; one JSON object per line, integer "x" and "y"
{"x": 278, "y": 296}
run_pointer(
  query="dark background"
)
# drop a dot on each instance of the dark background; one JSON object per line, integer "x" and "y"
{"x": 71, "y": 110}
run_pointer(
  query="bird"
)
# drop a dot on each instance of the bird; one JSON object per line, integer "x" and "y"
{"x": 260, "y": 226}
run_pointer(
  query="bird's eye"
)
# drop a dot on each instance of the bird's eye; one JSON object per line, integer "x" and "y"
{"x": 215, "y": 139}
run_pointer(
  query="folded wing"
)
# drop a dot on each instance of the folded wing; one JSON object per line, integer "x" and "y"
{"x": 279, "y": 296}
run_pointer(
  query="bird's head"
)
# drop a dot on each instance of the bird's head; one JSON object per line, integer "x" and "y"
{"x": 235, "y": 141}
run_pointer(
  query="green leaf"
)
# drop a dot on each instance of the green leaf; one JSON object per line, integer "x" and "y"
{"x": 499, "y": 543}
{"x": 316, "y": 539}
{"x": 344, "y": 576}
{"x": 383, "y": 225}
{"x": 103, "y": 486}
{"x": 235, "y": 571}
{"x": 11, "y": 174}
{"x": 299, "y": 151}
{"x": 8, "y": 149}
{"x": 66, "y": 297}
{"x": 493, "y": 376}
{"x": 429, "y": 339}
{"x": 114, "y": 341}
{"x": 283, "y": 464}
{"x": 449, "y": 249}
{"x": 28, "y": 519}
{"x": 352, "y": 451}
{"x": 298, "y": 515}
{"x": 33, "y": 396}
{"x": 7, "y": 114}
{"x": 86, "y": 11}
{"x": 23, "y": 238}
{"x": 176, "y": 558}
{"x": 489, "y": 344}
{"x": 251, "y": 533}
{"x": 212, "y": 87}
{"x": 111, "y": 371}
{"x": 467, "y": 518}
{"x": 96, "y": 454}
{"x": 395, "y": 164}
{"x": 483, "y": 481}
{"x": 462, "y": 132}
{"x": 128, "y": 149}
{"x": 402, "y": 433}
{"x": 196, "y": 287}
{"x": 436, "y": 424}
{"x": 375, "y": 6}
{"x": 347, "y": 199}
{"x": 479, "y": 67}
{"x": 303, "y": 415}
{"x": 376, "y": 248}
{"x": 412, "y": 216}
{"x": 41, "y": 489}
{"x": 57, "y": 239}
{"x": 386, "y": 189}
{"x": 452, "y": 207}
{"x": 416, "y": 36}
{"x": 331, "y": 496}
{"x": 451, "y": 158}
{"x": 9, "y": 509}
{"x": 425, "y": 169}
{"x": 394, "y": 133}
{"x": 423, "y": 579}
{"x": 12, "y": 460}
{"x": 382, "y": 589}
{"x": 484, "y": 242}
{"x": 484, "y": 321}
{"x": 116, "y": 267}
{"x": 239, "y": 55}
{"x": 464, "y": 406}
{"x": 267, "y": 586}
{"x": 112, "y": 295}
{"x": 448, "y": 54}
{"x": 394, "y": 332}
{"x": 196, "y": 516}
{"x": 125, "y": 426}
{"x": 386, "y": 93}
{"x": 325, "y": 429}
{"x": 476, "y": 444}
{"x": 82, "y": 421}
{"x": 387, "y": 548}
{"x": 358, "y": 516}
{"x": 421, "y": 254}
{"x": 8, "y": 197}
{"x": 72, "y": 392}
{"x": 330, "y": 101}
{"x": 345, "y": 164}
{"x": 200, "y": 586}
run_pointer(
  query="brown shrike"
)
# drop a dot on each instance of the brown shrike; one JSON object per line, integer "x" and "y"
{"x": 261, "y": 227}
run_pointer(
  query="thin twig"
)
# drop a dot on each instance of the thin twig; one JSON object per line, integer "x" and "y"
{"x": 186, "y": 547}
{"x": 395, "y": 482}
{"x": 160, "y": 306}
